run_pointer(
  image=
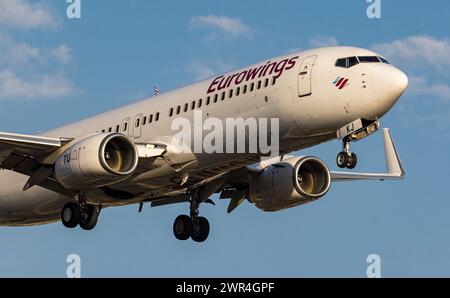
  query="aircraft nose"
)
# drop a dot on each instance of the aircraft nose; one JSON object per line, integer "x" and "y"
{"x": 390, "y": 83}
{"x": 399, "y": 81}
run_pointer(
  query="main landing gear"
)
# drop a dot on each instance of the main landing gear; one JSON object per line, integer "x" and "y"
{"x": 346, "y": 158}
{"x": 193, "y": 226}
{"x": 84, "y": 215}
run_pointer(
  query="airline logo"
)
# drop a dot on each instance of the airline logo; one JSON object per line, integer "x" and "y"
{"x": 272, "y": 68}
{"x": 340, "y": 83}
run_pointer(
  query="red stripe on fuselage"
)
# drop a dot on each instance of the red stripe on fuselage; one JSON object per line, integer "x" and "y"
{"x": 340, "y": 81}
{"x": 343, "y": 84}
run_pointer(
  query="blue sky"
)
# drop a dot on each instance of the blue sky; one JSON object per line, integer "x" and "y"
{"x": 54, "y": 70}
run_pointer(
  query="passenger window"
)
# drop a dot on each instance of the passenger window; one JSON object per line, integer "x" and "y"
{"x": 144, "y": 121}
{"x": 252, "y": 87}
{"x": 266, "y": 83}
{"x": 230, "y": 95}
{"x": 223, "y": 95}
{"x": 157, "y": 117}
{"x": 244, "y": 90}
{"x": 117, "y": 128}
{"x": 171, "y": 112}
{"x": 341, "y": 62}
{"x": 138, "y": 121}
{"x": 216, "y": 97}
{"x": 186, "y": 107}
{"x": 259, "y": 85}
{"x": 125, "y": 126}
{"x": 200, "y": 103}
{"x": 178, "y": 110}
{"x": 274, "y": 80}
{"x": 103, "y": 131}
{"x": 193, "y": 105}
{"x": 238, "y": 91}
{"x": 208, "y": 100}
{"x": 110, "y": 129}
{"x": 150, "y": 119}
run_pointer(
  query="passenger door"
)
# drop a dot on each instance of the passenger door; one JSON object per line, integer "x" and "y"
{"x": 305, "y": 76}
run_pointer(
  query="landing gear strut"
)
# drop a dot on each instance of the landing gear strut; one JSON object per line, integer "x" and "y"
{"x": 82, "y": 214}
{"x": 346, "y": 158}
{"x": 352, "y": 132}
{"x": 193, "y": 226}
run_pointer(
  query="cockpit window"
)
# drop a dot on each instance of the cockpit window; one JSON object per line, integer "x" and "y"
{"x": 341, "y": 62}
{"x": 352, "y": 61}
{"x": 368, "y": 59}
{"x": 383, "y": 60}
{"x": 346, "y": 62}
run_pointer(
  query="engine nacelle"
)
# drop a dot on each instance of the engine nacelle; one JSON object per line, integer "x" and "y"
{"x": 95, "y": 161}
{"x": 293, "y": 182}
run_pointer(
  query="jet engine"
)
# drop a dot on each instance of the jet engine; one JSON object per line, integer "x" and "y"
{"x": 98, "y": 160}
{"x": 292, "y": 182}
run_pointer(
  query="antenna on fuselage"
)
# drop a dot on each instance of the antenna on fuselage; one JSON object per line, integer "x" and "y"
{"x": 156, "y": 90}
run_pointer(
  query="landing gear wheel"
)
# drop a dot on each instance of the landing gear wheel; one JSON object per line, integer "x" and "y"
{"x": 200, "y": 229}
{"x": 71, "y": 215}
{"x": 182, "y": 227}
{"x": 89, "y": 217}
{"x": 352, "y": 161}
{"x": 342, "y": 159}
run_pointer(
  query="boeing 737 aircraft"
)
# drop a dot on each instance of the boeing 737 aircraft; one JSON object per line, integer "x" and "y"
{"x": 129, "y": 156}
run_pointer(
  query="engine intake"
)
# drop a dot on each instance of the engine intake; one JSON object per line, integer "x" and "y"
{"x": 97, "y": 160}
{"x": 312, "y": 177}
{"x": 116, "y": 155}
{"x": 295, "y": 181}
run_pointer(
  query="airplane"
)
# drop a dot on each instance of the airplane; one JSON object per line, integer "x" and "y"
{"x": 128, "y": 155}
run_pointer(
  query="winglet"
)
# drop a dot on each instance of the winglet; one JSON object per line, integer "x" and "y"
{"x": 393, "y": 163}
{"x": 394, "y": 166}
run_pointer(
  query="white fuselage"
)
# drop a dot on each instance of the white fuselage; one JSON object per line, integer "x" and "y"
{"x": 310, "y": 108}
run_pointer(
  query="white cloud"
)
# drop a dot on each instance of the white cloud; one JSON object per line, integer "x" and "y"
{"x": 201, "y": 70}
{"x": 231, "y": 26}
{"x": 31, "y": 73}
{"x": 323, "y": 41}
{"x": 22, "y": 14}
{"x": 16, "y": 53}
{"x": 47, "y": 86}
{"x": 420, "y": 86}
{"x": 62, "y": 53}
{"x": 417, "y": 52}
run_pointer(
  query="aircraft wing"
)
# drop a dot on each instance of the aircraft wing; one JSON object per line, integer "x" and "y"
{"x": 34, "y": 156}
{"x": 30, "y": 145}
{"x": 22, "y": 153}
{"x": 236, "y": 192}
{"x": 394, "y": 166}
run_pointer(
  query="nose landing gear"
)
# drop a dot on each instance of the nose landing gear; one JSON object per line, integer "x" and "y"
{"x": 346, "y": 158}
{"x": 352, "y": 132}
